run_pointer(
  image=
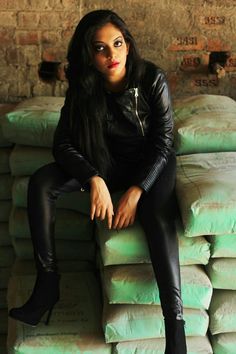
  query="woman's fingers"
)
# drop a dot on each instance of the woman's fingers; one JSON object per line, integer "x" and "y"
{"x": 92, "y": 211}
{"x": 110, "y": 214}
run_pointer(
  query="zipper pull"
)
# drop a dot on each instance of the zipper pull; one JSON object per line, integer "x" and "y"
{"x": 136, "y": 92}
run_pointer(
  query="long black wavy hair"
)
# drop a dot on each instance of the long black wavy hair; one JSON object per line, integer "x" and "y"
{"x": 88, "y": 106}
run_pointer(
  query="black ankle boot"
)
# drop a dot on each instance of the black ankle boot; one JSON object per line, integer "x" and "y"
{"x": 45, "y": 295}
{"x": 175, "y": 337}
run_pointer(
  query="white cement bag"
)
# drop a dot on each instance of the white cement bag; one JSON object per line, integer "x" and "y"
{"x": 4, "y": 160}
{"x": 33, "y": 121}
{"x": 224, "y": 343}
{"x": 222, "y": 274}
{"x": 69, "y": 225}
{"x": 6, "y": 181}
{"x": 195, "y": 345}
{"x": 66, "y": 250}
{"x": 206, "y": 193}
{"x": 223, "y": 246}
{"x": 4, "y": 108}
{"x": 78, "y": 201}
{"x": 27, "y": 267}
{"x": 5, "y": 239}
{"x": 223, "y": 311}
{"x": 25, "y": 160}
{"x": 3, "y": 298}
{"x": 3, "y": 343}
{"x": 3, "y": 321}
{"x": 129, "y": 246}
{"x": 7, "y": 256}
{"x": 5, "y": 208}
{"x": 205, "y": 123}
{"x": 75, "y": 325}
{"x": 5, "y": 273}
{"x": 136, "y": 284}
{"x": 134, "y": 322}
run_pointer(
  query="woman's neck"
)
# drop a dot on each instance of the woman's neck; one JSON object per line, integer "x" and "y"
{"x": 116, "y": 86}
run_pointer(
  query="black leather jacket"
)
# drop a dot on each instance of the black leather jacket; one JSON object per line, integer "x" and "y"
{"x": 146, "y": 123}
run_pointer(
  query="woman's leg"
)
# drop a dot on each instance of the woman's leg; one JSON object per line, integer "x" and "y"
{"x": 45, "y": 185}
{"x": 156, "y": 212}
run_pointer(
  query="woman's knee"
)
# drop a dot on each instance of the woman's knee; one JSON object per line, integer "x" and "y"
{"x": 43, "y": 178}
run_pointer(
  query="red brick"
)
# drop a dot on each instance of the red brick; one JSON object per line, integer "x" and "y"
{"x": 28, "y": 20}
{"x": 70, "y": 20}
{"x": 54, "y": 54}
{"x": 13, "y": 4}
{"x": 71, "y": 4}
{"x": 8, "y": 73}
{"x": 66, "y": 35}
{"x": 3, "y": 60}
{"x": 50, "y": 20}
{"x": 51, "y": 37}
{"x": 39, "y": 5}
{"x": 6, "y": 36}
{"x": 27, "y": 37}
{"x": 8, "y": 19}
{"x": 190, "y": 62}
{"x": 231, "y": 64}
{"x": 187, "y": 43}
{"x": 213, "y": 22}
{"x": 172, "y": 81}
{"x": 31, "y": 54}
{"x": 208, "y": 81}
{"x": 3, "y": 4}
{"x": 194, "y": 62}
{"x": 217, "y": 45}
{"x": 14, "y": 56}
{"x": 4, "y": 91}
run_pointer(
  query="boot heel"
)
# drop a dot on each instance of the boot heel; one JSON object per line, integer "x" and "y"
{"x": 49, "y": 315}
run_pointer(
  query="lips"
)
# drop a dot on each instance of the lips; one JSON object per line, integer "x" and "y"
{"x": 113, "y": 65}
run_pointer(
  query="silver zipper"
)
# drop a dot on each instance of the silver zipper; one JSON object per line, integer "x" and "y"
{"x": 136, "y": 109}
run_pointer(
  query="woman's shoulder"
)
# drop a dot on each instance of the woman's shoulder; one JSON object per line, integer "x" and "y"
{"x": 151, "y": 68}
{"x": 152, "y": 74}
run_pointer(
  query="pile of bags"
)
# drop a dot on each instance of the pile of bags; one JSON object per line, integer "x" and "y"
{"x": 132, "y": 316}
{"x": 124, "y": 315}
{"x": 205, "y": 141}
{"x": 75, "y": 325}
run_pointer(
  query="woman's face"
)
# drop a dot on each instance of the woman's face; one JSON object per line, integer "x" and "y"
{"x": 109, "y": 53}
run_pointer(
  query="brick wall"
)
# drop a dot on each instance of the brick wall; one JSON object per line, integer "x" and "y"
{"x": 178, "y": 35}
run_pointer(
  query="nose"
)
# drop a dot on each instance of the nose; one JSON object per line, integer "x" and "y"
{"x": 110, "y": 52}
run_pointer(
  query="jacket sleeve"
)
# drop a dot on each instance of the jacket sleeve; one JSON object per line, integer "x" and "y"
{"x": 65, "y": 153}
{"x": 160, "y": 134}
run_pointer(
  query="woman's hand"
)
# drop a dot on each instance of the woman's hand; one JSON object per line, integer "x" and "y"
{"x": 100, "y": 198}
{"x": 127, "y": 206}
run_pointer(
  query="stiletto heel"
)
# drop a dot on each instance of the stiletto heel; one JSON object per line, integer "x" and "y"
{"x": 44, "y": 297}
{"x": 49, "y": 316}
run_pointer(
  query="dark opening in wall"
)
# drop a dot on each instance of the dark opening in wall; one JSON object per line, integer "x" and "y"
{"x": 48, "y": 71}
{"x": 217, "y": 58}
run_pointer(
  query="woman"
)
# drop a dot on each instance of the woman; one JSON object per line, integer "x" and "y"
{"x": 114, "y": 133}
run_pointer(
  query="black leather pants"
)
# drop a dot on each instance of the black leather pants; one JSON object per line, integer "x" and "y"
{"x": 156, "y": 212}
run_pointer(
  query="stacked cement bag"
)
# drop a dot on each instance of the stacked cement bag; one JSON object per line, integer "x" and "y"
{"x": 221, "y": 270}
{"x": 206, "y": 131}
{"x": 75, "y": 324}
{"x": 6, "y": 249}
{"x": 31, "y": 127}
{"x": 132, "y": 316}
{"x": 76, "y": 321}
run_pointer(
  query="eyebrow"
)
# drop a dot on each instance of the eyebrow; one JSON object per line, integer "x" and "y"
{"x": 113, "y": 40}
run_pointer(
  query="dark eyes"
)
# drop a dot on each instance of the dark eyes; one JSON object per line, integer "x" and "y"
{"x": 102, "y": 47}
